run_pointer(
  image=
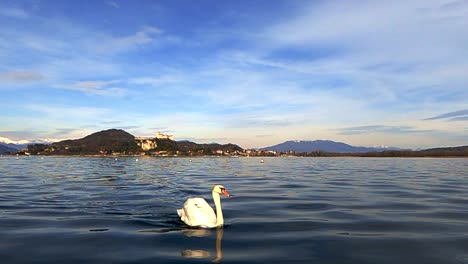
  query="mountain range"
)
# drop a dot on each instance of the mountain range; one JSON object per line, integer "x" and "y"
{"x": 304, "y": 146}
{"x": 116, "y": 140}
{"x": 22, "y": 144}
{"x": 7, "y": 150}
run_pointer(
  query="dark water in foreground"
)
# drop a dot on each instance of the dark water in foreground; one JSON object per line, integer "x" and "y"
{"x": 286, "y": 210}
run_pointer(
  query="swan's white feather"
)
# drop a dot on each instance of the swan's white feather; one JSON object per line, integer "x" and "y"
{"x": 197, "y": 212}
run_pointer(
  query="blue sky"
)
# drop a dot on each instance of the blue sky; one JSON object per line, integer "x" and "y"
{"x": 254, "y": 73}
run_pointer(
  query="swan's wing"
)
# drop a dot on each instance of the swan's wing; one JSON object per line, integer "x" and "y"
{"x": 197, "y": 212}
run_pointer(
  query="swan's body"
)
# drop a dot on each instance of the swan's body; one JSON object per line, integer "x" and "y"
{"x": 198, "y": 213}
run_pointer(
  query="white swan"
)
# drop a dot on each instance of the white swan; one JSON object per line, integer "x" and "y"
{"x": 197, "y": 212}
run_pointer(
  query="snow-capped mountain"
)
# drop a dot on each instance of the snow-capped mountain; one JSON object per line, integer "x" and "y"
{"x": 16, "y": 142}
{"x": 23, "y": 143}
{"x": 323, "y": 145}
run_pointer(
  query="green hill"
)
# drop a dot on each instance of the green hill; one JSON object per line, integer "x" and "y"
{"x": 103, "y": 142}
{"x": 117, "y": 141}
{"x": 207, "y": 148}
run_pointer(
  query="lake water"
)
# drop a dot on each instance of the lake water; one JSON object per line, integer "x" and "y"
{"x": 285, "y": 210}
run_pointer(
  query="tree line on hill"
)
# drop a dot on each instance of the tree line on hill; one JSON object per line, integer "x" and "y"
{"x": 436, "y": 152}
{"x": 120, "y": 142}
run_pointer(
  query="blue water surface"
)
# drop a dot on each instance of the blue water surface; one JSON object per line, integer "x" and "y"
{"x": 285, "y": 210}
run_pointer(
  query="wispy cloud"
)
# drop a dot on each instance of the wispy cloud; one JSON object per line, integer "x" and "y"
{"x": 64, "y": 112}
{"x": 263, "y": 119}
{"x": 161, "y": 129}
{"x": 460, "y": 118}
{"x": 400, "y": 38}
{"x": 111, "y": 122}
{"x": 20, "y": 76}
{"x": 127, "y": 127}
{"x": 113, "y": 4}
{"x": 22, "y": 134}
{"x": 104, "y": 88}
{"x": 13, "y": 12}
{"x": 456, "y": 115}
{"x": 117, "y": 44}
{"x": 264, "y": 136}
{"x": 71, "y": 50}
{"x": 206, "y": 140}
{"x": 64, "y": 131}
{"x": 395, "y": 24}
{"x": 381, "y": 129}
{"x": 158, "y": 81}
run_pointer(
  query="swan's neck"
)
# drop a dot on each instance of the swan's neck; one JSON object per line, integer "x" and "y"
{"x": 219, "y": 211}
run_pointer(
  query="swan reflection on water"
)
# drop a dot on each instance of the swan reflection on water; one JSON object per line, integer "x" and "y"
{"x": 198, "y": 253}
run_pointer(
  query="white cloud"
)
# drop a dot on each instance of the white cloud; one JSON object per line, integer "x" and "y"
{"x": 406, "y": 53}
{"x": 158, "y": 81}
{"x": 13, "y": 12}
{"x": 46, "y": 120}
{"x": 108, "y": 44}
{"x": 382, "y": 129}
{"x": 361, "y": 25}
{"x": 21, "y": 76}
{"x": 104, "y": 88}
{"x": 456, "y": 115}
{"x": 375, "y": 32}
{"x": 70, "y": 49}
{"x": 67, "y": 112}
{"x": 113, "y": 4}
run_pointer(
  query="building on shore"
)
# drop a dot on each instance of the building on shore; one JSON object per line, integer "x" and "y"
{"x": 146, "y": 143}
{"x": 160, "y": 135}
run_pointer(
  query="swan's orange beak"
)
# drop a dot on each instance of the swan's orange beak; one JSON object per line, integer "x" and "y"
{"x": 225, "y": 192}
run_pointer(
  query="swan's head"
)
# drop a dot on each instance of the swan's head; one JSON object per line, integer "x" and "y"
{"x": 221, "y": 190}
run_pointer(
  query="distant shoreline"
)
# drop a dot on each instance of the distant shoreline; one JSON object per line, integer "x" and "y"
{"x": 117, "y": 142}
{"x": 220, "y": 156}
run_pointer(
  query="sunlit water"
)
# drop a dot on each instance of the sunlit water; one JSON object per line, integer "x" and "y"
{"x": 285, "y": 210}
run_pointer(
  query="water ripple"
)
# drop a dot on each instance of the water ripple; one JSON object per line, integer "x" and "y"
{"x": 285, "y": 210}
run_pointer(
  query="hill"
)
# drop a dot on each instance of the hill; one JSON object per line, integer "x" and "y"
{"x": 188, "y": 146}
{"x": 461, "y": 151}
{"x": 117, "y": 141}
{"x": 7, "y": 150}
{"x": 445, "y": 152}
{"x": 15, "y": 146}
{"x": 332, "y": 148}
{"x": 301, "y": 146}
{"x": 103, "y": 142}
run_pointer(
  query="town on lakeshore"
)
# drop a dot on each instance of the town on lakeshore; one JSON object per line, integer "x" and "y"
{"x": 117, "y": 142}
